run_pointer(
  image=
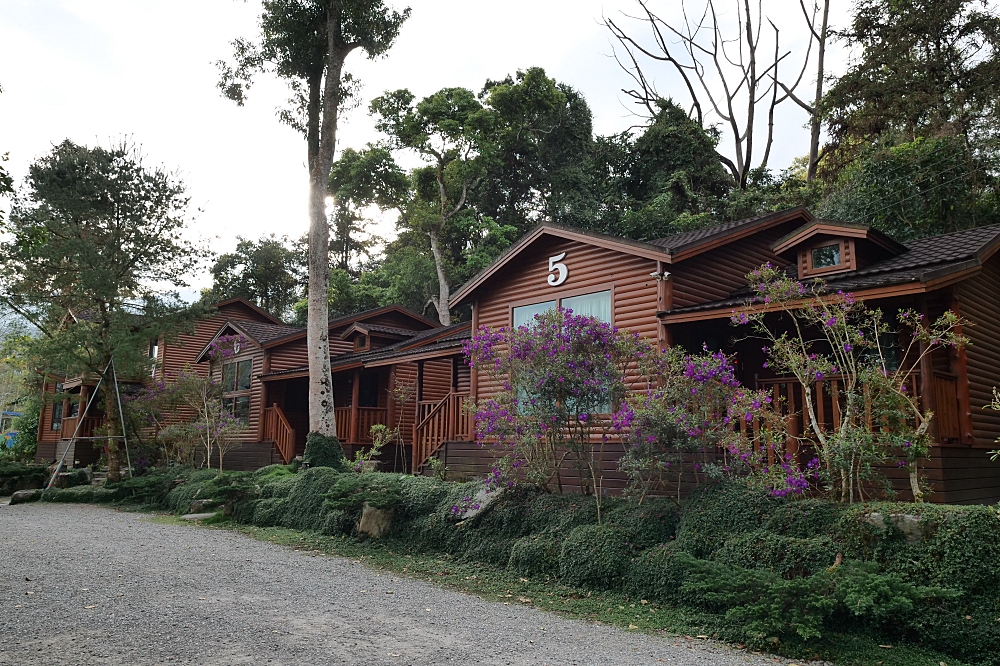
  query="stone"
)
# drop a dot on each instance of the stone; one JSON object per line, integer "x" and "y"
{"x": 197, "y": 516}
{"x": 200, "y": 505}
{"x": 911, "y": 526}
{"x": 25, "y": 496}
{"x": 375, "y": 522}
{"x": 479, "y": 503}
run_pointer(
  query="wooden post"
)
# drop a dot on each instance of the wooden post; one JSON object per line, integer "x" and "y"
{"x": 960, "y": 368}
{"x": 390, "y": 407}
{"x": 927, "y": 398}
{"x": 473, "y": 375}
{"x": 355, "y": 395}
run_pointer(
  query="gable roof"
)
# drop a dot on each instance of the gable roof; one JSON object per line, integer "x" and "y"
{"x": 625, "y": 245}
{"x": 926, "y": 263}
{"x": 368, "y": 329}
{"x": 244, "y": 302}
{"x": 342, "y": 320}
{"x": 834, "y": 228}
{"x": 668, "y": 249}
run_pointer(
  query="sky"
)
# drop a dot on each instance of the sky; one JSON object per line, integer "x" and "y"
{"x": 97, "y": 71}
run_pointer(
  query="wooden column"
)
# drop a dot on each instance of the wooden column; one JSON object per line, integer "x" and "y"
{"x": 390, "y": 406}
{"x": 960, "y": 368}
{"x": 473, "y": 375}
{"x": 355, "y": 395}
{"x": 927, "y": 397}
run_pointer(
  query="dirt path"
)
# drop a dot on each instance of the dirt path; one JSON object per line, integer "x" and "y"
{"x": 89, "y": 585}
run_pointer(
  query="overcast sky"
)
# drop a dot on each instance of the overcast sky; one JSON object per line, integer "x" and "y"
{"x": 98, "y": 70}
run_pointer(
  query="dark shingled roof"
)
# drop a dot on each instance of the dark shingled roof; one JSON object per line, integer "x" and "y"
{"x": 263, "y": 332}
{"x": 924, "y": 258}
{"x": 390, "y": 330}
{"x": 677, "y": 242}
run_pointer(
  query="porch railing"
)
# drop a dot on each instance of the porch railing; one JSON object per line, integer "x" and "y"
{"x": 444, "y": 421}
{"x": 87, "y": 428}
{"x": 278, "y": 430}
{"x": 366, "y": 418}
{"x": 827, "y": 401}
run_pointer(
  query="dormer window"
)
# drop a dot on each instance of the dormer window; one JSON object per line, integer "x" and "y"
{"x": 361, "y": 343}
{"x": 826, "y": 256}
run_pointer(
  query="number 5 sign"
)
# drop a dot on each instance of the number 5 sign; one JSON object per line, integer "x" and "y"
{"x": 555, "y": 266}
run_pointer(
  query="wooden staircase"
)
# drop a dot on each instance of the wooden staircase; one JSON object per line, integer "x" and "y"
{"x": 280, "y": 432}
{"x": 438, "y": 422}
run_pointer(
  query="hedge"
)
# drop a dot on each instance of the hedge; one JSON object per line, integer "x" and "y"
{"x": 768, "y": 569}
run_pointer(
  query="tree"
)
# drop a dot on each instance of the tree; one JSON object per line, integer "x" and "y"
{"x": 728, "y": 76}
{"x": 264, "y": 272}
{"x": 6, "y": 182}
{"x": 361, "y": 180}
{"x": 540, "y": 154}
{"x": 927, "y": 68}
{"x": 83, "y": 253}
{"x": 306, "y": 43}
{"x": 448, "y": 130}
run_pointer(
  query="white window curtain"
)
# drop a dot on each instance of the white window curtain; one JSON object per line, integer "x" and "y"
{"x": 525, "y": 314}
{"x": 597, "y": 305}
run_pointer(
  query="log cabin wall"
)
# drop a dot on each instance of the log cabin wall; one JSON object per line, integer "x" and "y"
{"x": 978, "y": 300}
{"x": 591, "y": 269}
{"x": 715, "y": 274}
{"x": 436, "y": 379}
{"x": 47, "y": 437}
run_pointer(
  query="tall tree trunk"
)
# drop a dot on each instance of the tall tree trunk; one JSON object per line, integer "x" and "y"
{"x": 814, "y": 128}
{"x": 323, "y": 119}
{"x": 112, "y": 421}
{"x": 442, "y": 302}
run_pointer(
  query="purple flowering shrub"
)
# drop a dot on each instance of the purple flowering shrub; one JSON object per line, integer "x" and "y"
{"x": 697, "y": 406}
{"x": 562, "y": 375}
{"x": 225, "y": 346}
{"x": 184, "y": 413}
{"x": 832, "y": 341}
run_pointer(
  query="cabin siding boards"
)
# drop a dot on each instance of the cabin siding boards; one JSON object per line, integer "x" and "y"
{"x": 591, "y": 269}
{"x": 436, "y": 379}
{"x": 979, "y": 302}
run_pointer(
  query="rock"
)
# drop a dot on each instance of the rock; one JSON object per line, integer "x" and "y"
{"x": 375, "y": 522}
{"x": 197, "y": 516}
{"x": 911, "y": 526}
{"x": 25, "y": 496}
{"x": 199, "y": 506}
{"x": 479, "y": 503}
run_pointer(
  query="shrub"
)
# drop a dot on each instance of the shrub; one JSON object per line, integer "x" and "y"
{"x": 595, "y": 556}
{"x": 645, "y": 525}
{"x": 18, "y": 476}
{"x": 789, "y": 557}
{"x": 658, "y": 574}
{"x": 324, "y": 451}
{"x": 535, "y": 556}
{"x": 719, "y": 512}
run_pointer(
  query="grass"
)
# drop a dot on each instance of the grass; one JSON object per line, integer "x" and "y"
{"x": 498, "y": 585}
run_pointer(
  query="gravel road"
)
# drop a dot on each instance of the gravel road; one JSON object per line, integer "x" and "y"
{"x": 90, "y": 585}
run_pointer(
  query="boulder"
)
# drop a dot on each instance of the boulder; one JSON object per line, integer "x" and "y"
{"x": 201, "y": 505}
{"x": 25, "y": 496}
{"x": 375, "y": 522}
{"x": 911, "y": 526}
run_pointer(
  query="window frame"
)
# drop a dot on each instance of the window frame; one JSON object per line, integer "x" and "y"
{"x": 231, "y": 397}
{"x": 847, "y": 258}
{"x": 560, "y": 295}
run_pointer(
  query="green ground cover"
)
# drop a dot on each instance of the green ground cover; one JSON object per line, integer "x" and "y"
{"x": 806, "y": 578}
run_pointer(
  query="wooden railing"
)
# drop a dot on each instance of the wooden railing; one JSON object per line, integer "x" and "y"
{"x": 87, "y": 428}
{"x": 278, "y": 430}
{"x": 827, "y": 401}
{"x": 438, "y": 422}
{"x": 343, "y": 418}
{"x": 366, "y": 417}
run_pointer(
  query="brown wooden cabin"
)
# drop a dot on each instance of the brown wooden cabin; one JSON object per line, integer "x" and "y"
{"x": 57, "y": 420}
{"x": 372, "y": 354}
{"x": 682, "y": 290}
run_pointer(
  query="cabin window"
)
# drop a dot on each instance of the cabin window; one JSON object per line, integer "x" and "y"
{"x": 74, "y": 408}
{"x": 361, "y": 343}
{"x": 57, "y": 415}
{"x": 596, "y": 305}
{"x": 236, "y": 376}
{"x": 826, "y": 256}
{"x": 525, "y": 314}
{"x": 154, "y": 352}
{"x": 236, "y": 388}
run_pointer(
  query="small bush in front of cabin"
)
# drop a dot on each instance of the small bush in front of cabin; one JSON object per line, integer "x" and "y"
{"x": 595, "y": 557}
{"x": 719, "y": 512}
{"x": 535, "y": 555}
{"x": 789, "y": 557}
{"x": 324, "y": 451}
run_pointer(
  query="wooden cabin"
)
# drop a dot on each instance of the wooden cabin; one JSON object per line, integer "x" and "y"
{"x": 682, "y": 289}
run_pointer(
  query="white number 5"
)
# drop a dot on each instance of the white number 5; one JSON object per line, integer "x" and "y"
{"x": 554, "y": 265}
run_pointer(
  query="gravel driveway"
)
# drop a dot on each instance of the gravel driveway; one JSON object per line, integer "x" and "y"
{"x": 90, "y": 585}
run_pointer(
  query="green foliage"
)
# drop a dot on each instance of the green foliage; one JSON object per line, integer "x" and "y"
{"x": 789, "y": 557}
{"x": 380, "y": 491}
{"x": 719, "y": 512}
{"x": 595, "y": 556}
{"x": 264, "y": 272}
{"x": 535, "y": 555}
{"x": 16, "y": 476}
{"x": 324, "y": 451}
